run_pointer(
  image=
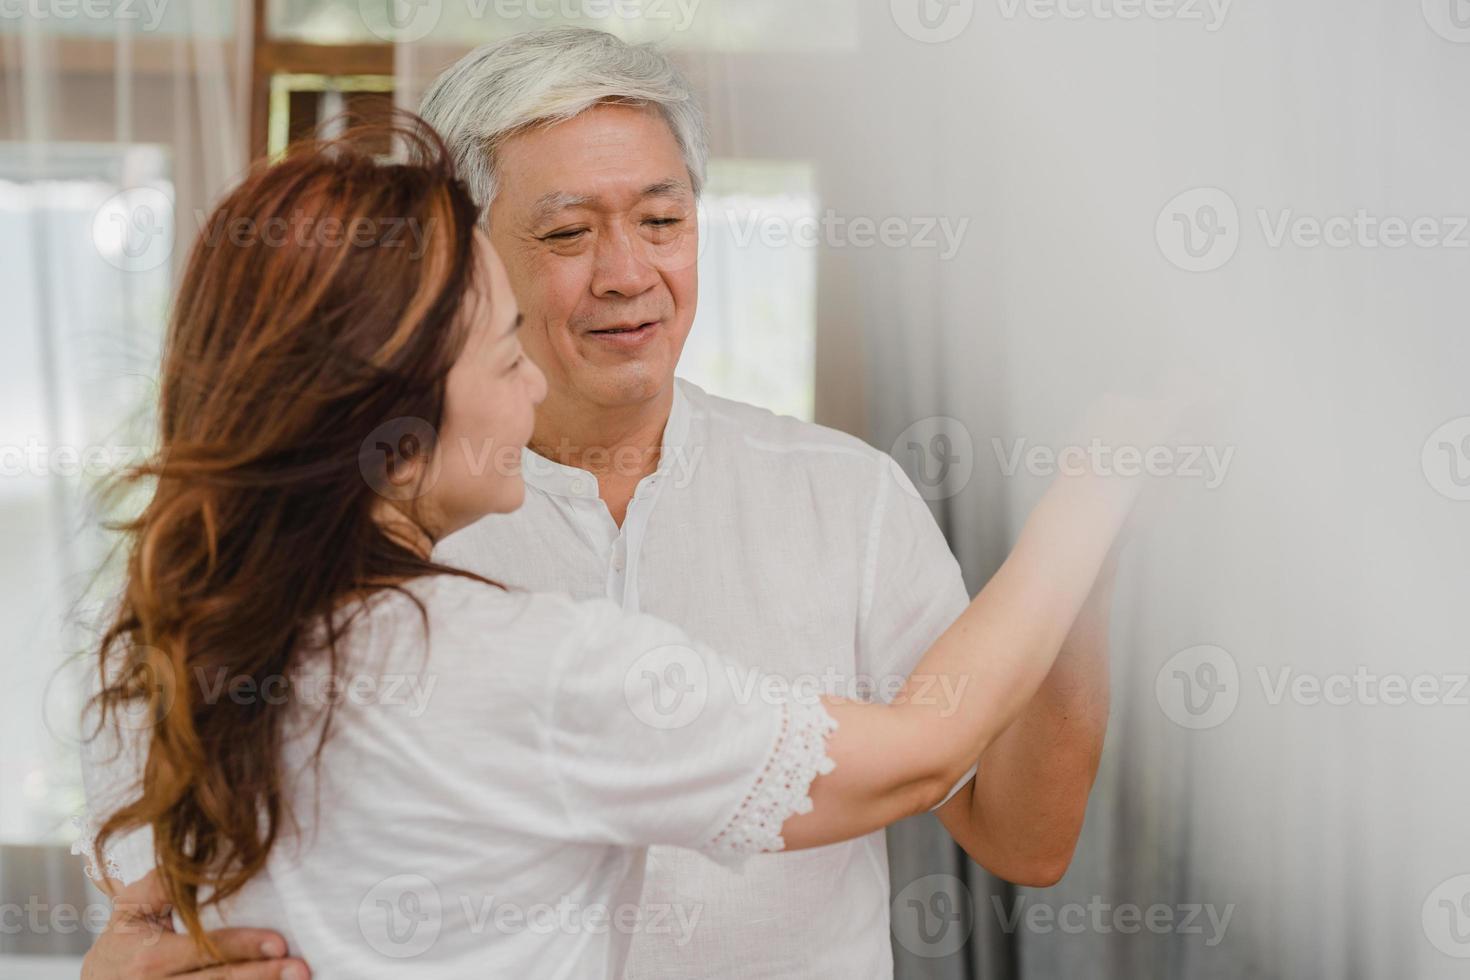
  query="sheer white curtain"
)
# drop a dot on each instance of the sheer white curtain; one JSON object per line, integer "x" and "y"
{"x": 117, "y": 123}
{"x": 1272, "y": 198}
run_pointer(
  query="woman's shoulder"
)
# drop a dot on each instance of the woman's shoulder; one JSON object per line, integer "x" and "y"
{"x": 453, "y": 607}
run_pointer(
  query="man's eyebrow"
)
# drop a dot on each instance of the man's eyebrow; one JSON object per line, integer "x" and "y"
{"x": 550, "y": 204}
{"x": 671, "y": 187}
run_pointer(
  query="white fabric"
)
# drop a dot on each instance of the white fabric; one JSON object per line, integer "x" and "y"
{"x": 794, "y": 550}
{"x": 483, "y": 804}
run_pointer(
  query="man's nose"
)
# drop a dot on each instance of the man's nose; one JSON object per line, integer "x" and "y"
{"x": 623, "y": 266}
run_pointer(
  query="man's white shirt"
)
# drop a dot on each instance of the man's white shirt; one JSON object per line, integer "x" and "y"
{"x": 792, "y": 550}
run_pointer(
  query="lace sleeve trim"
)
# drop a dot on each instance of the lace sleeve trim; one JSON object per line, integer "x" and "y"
{"x": 97, "y": 866}
{"x": 782, "y": 790}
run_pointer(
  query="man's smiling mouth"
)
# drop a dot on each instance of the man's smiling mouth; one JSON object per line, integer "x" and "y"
{"x": 624, "y": 330}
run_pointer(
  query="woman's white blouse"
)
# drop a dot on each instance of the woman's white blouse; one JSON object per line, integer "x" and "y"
{"x": 484, "y": 800}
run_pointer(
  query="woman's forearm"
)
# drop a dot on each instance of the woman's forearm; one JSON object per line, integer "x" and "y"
{"x": 899, "y": 759}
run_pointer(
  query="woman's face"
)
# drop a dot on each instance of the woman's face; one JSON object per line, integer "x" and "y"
{"x": 492, "y": 393}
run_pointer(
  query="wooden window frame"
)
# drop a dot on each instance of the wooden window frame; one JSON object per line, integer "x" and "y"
{"x": 272, "y": 57}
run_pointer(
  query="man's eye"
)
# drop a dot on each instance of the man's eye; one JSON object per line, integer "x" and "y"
{"x": 566, "y": 236}
{"x": 664, "y": 222}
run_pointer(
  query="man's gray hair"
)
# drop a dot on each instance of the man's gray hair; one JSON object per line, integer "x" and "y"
{"x": 549, "y": 76}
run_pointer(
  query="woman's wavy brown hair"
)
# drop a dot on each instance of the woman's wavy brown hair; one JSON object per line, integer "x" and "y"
{"x": 322, "y": 301}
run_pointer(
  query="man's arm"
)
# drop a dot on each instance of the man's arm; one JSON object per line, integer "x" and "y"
{"x": 140, "y": 944}
{"x": 1021, "y": 815}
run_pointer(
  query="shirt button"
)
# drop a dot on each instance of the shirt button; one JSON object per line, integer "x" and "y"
{"x": 579, "y": 487}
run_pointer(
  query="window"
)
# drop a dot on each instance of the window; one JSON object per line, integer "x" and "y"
{"x": 755, "y": 332}
{"x": 84, "y": 243}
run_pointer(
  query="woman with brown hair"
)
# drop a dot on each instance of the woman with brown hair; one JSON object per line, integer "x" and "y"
{"x": 323, "y": 731}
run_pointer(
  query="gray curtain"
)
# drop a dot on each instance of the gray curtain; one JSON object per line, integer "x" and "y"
{"x": 1313, "y": 825}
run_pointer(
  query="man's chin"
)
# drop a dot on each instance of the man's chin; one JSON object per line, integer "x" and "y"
{"x": 627, "y": 385}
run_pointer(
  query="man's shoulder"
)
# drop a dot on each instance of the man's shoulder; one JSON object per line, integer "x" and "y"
{"x": 763, "y": 431}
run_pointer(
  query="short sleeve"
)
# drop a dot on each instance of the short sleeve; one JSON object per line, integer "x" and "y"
{"x": 656, "y": 739}
{"x": 913, "y": 589}
{"x": 112, "y": 766}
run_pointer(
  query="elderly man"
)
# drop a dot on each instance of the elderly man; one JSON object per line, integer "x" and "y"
{"x": 766, "y": 537}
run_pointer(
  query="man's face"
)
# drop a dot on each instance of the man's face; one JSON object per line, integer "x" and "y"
{"x": 595, "y": 220}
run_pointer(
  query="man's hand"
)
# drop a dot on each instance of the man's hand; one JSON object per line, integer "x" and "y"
{"x": 140, "y": 944}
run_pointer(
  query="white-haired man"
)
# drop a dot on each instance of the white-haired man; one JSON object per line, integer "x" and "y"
{"x": 765, "y": 537}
